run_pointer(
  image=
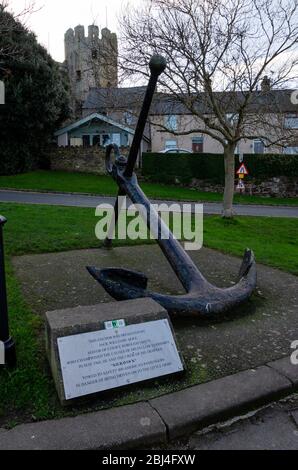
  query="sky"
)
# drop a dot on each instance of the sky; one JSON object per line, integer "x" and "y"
{"x": 55, "y": 17}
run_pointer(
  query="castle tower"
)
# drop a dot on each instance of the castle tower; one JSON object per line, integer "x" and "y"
{"x": 91, "y": 61}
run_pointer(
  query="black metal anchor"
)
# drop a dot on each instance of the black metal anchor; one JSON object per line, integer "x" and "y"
{"x": 202, "y": 298}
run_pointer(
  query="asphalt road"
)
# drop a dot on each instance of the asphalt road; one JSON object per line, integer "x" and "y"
{"x": 81, "y": 200}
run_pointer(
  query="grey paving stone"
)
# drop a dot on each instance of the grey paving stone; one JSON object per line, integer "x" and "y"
{"x": 271, "y": 431}
{"x": 124, "y": 427}
{"x": 191, "y": 409}
{"x": 285, "y": 367}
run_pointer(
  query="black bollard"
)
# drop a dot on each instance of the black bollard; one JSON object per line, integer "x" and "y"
{"x": 9, "y": 345}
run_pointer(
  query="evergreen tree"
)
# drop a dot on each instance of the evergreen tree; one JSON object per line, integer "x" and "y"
{"x": 36, "y": 98}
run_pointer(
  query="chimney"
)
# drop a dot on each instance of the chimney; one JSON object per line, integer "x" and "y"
{"x": 266, "y": 84}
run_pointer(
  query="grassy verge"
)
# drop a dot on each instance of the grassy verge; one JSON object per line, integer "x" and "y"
{"x": 28, "y": 393}
{"x": 103, "y": 185}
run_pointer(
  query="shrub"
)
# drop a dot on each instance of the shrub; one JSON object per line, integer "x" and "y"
{"x": 165, "y": 168}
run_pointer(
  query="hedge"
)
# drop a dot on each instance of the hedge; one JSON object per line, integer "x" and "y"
{"x": 209, "y": 166}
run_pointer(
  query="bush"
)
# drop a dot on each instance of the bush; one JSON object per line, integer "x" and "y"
{"x": 165, "y": 168}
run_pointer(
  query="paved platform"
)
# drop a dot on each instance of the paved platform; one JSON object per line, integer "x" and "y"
{"x": 260, "y": 331}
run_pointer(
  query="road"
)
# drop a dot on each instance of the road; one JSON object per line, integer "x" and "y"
{"x": 81, "y": 200}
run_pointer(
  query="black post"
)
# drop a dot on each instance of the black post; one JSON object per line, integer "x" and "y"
{"x": 9, "y": 345}
{"x": 157, "y": 66}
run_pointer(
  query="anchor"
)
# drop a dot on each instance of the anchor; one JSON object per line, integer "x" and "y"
{"x": 201, "y": 298}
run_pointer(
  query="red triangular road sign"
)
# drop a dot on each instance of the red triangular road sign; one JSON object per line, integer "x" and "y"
{"x": 242, "y": 170}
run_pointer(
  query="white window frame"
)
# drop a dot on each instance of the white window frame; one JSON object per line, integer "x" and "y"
{"x": 172, "y": 122}
{"x": 291, "y": 150}
{"x": 289, "y": 118}
{"x": 172, "y": 145}
{"x": 257, "y": 142}
{"x": 232, "y": 118}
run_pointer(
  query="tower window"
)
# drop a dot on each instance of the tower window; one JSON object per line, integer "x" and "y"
{"x": 94, "y": 54}
{"x": 79, "y": 75}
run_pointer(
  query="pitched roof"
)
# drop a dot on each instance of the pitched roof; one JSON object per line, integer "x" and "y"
{"x": 91, "y": 117}
{"x": 120, "y": 98}
{"x": 273, "y": 101}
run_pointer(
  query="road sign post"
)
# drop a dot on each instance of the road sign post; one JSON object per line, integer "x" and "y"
{"x": 242, "y": 172}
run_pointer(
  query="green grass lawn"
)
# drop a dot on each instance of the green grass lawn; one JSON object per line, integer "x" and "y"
{"x": 27, "y": 392}
{"x": 104, "y": 185}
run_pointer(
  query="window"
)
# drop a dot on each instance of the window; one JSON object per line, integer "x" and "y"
{"x": 171, "y": 122}
{"x": 79, "y": 75}
{"x": 198, "y": 144}
{"x": 171, "y": 144}
{"x": 116, "y": 139}
{"x": 106, "y": 140}
{"x": 291, "y": 150}
{"x": 291, "y": 121}
{"x": 128, "y": 118}
{"x": 232, "y": 118}
{"x": 94, "y": 54}
{"x": 96, "y": 141}
{"x": 86, "y": 140}
{"x": 258, "y": 146}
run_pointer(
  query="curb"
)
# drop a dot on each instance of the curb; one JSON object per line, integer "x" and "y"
{"x": 161, "y": 419}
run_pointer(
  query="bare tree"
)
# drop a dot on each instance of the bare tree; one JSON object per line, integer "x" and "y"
{"x": 10, "y": 21}
{"x": 218, "y": 51}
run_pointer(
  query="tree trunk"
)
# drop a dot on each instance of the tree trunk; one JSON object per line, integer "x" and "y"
{"x": 229, "y": 157}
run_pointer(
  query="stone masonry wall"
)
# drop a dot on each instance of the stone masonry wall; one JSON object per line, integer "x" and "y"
{"x": 92, "y": 160}
{"x": 79, "y": 159}
{"x": 272, "y": 187}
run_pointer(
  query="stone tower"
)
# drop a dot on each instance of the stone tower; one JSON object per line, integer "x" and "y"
{"x": 91, "y": 61}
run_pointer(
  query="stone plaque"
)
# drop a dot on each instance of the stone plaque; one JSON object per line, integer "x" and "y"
{"x": 106, "y": 359}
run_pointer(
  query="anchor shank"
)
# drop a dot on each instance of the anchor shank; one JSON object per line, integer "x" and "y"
{"x": 157, "y": 66}
{"x": 185, "y": 269}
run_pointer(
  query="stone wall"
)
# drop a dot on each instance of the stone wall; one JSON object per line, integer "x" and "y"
{"x": 79, "y": 159}
{"x": 273, "y": 187}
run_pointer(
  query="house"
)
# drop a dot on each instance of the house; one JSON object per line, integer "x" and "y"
{"x": 97, "y": 130}
{"x": 271, "y": 109}
{"x": 110, "y": 115}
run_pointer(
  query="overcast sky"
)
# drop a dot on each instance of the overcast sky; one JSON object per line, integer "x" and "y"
{"x": 56, "y": 16}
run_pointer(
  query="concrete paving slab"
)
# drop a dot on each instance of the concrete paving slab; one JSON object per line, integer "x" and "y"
{"x": 187, "y": 410}
{"x": 285, "y": 367}
{"x": 128, "y": 426}
{"x": 260, "y": 331}
{"x": 269, "y": 430}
